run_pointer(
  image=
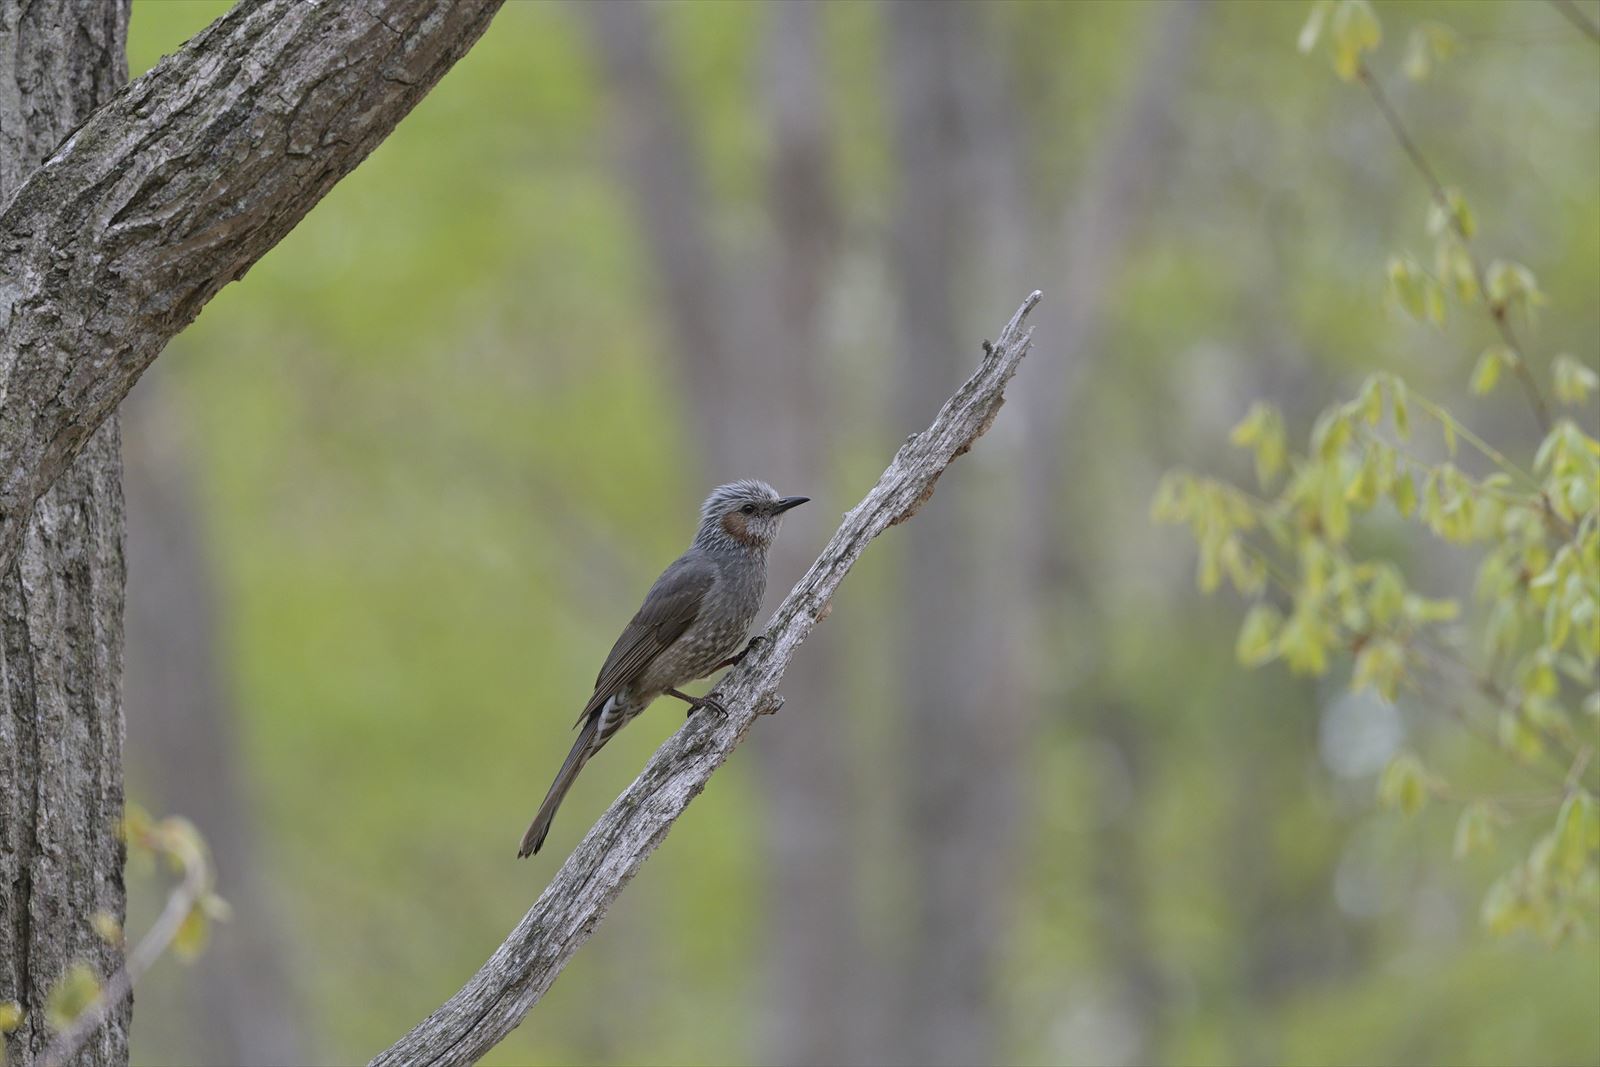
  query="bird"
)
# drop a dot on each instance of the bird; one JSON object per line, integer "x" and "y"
{"x": 693, "y": 618}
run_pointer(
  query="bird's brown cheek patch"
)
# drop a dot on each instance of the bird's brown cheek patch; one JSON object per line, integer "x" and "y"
{"x": 737, "y": 527}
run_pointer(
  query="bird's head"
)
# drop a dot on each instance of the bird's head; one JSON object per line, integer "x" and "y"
{"x": 746, "y": 513}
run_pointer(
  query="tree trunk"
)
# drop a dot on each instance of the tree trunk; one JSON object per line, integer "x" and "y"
{"x": 956, "y": 765}
{"x": 61, "y": 602}
{"x": 819, "y": 982}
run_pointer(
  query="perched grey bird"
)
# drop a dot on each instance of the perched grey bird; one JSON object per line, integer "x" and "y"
{"x": 693, "y": 619}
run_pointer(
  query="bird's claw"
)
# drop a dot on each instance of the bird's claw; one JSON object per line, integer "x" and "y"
{"x": 734, "y": 661}
{"x": 711, "y": 702}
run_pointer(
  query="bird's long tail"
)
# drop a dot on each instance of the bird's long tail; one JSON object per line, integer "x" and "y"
{"x": 558, "y": 789}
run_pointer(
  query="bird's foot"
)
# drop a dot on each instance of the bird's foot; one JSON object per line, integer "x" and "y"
{"x": 711, "y": 702}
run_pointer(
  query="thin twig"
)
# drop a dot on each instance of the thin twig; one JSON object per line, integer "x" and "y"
{"x": 184, "y": 898}
{"x": 1497, "y": 695}
{"x": 1575, "y": 15}
{"x": 1436, "y": 189}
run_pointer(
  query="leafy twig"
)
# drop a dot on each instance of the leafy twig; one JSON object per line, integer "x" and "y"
{"x": 1497, "y": 309}
{"x": 183, "y": 845}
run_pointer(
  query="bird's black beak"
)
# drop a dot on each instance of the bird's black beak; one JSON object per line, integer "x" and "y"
{"x": 788, "y": 502}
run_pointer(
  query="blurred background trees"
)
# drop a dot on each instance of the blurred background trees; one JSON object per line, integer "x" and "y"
{"x": 1021, "y": 805}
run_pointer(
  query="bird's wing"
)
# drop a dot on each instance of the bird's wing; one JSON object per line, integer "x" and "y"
{"x": 669, "y": 608}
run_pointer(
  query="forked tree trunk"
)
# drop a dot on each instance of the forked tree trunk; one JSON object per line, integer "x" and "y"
{"x": 61, "y": 600}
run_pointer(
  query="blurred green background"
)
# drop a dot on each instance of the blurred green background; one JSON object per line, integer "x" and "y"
{"x": 394, "y": 493}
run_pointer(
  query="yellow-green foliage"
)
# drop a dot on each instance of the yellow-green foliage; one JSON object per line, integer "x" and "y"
{"x": 1524, "y": 656}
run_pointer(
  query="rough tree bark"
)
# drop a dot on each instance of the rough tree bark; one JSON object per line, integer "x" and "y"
{"x": 175, "y": 188}
{"x": 523, "y": 968}
{"x": 60, "y": 601}
{"x": 108, "y": 247}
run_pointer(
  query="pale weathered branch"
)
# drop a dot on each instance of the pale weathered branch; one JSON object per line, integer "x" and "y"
{"x": 494, "y": 1002}
{"x": 175, "y": 188}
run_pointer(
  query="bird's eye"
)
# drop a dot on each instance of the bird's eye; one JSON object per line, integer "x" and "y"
{"x": 749, "y": 509}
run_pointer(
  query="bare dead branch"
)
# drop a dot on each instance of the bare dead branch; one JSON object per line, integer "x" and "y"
{"x": 523, "y": 968}
{"x": 175, "y": 188}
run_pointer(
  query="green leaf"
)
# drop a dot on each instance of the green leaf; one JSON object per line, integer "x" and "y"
{"x": 1334, "y": 513}
{"x": 1573, "y": 381}
{"x": 136, "y": 825}
{"x": 1423, "y": 610}
{"x": 1577, "y": 831}
{"x": 1504, "y": 907}
{"x": 1557, "y": 624}
{"x": 1518, "y": 737}
{"x": 1404, "y": 493}
{"x": 1247, "y": 573}
{"x": 1303, "y": 641}
{"x": 1385, "y": 594}
{"x": 1397, "y": 399}
{"x": 1258, "y": 635}
{"x": 73, "y": 993}
{"x": 1403, "y": 785}
{"x": 1451, "y": 261}
{"x": 1172, "y": 499}
{"x": 1435, "y": 298}
{"x": 1380, "y": 666}
{"x": 1330, "y": 434}
{"x": 1487, "y": 372}
{"x": 1453, "y": 215}
{"x": 1405, "y": 282}
{"x": 1362, "y": 492}
{"x": 191, "y": 938}
{"x": 1513, "y": 286}
{"x": 1262, "y": 429}
{"x": 10, "y": 1016}
{"x": 1370, "y": 400}
{"x": 1474, "y": 829}
{"x": 1355, "y": 31}
{"x": 216, "y": 908}
{"x": 105, "y": 924}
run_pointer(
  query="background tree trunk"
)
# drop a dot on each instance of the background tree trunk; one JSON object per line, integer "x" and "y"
{"x": 819, "y": 982}
{"x": 237, "y": 1007}
{"x": 61, "y": 600}
{"x": 956, "y": 760}
{"x": 757, "y": 332}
